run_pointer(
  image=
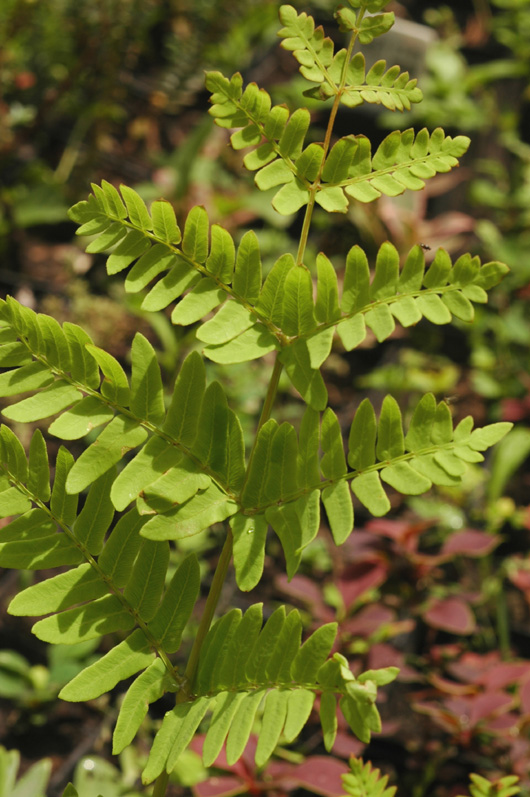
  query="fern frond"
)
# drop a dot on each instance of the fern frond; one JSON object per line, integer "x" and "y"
{"x": 402, "y": 160}
{"x": 202, "y": 262}
{"x": 117, "y": 584}
{"x": 180, "y": 451}
{"x": 365, "y": 781}
{"x": 503, "y": 787}
{"x": 318, "y": 64}
{"x": 379, "y": 453}
{"x": 244, "y": 666}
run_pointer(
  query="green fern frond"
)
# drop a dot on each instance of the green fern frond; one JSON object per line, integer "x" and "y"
{"x": 244, "y": 666}
{"x": 504, "y": 787}
{"x": 116, "y": 581}
{"x": 334, "y": 74}
{"x": 365, "y": 781}
{"x": 402, "y": 161}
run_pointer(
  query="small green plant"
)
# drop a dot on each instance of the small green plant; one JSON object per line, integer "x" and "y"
{"x": 162, "y": 471}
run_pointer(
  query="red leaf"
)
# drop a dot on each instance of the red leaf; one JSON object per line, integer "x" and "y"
{"x": 472, "y": 666}
{"x": 470, "y": 543}
{"x": 450, "y": 687}
{"x": 317, "y": 774}
{"x": 222, "y": 786}
{"x": 369, "y": 619}
{"x": 360, "y": 577}
{"x": 450, "y": 614}
{"x": 501, "y": 675}
{"x": 524, "y": 694}
{"x": 489, "y": 703}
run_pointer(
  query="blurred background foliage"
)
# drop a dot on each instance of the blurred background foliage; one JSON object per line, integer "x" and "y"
{"x": 113, "y": 89}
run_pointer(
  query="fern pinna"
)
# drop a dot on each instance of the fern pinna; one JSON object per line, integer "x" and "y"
{"x": 159, "y": 471}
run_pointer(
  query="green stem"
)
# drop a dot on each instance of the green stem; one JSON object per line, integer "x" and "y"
{"x": 325, "y": 148}
{"x": 160, "y": 785}
{"x": 207, "y": 615}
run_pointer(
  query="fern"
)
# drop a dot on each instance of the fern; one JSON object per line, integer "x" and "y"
{"x": 162, "y": 468}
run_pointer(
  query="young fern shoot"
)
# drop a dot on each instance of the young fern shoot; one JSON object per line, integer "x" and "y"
{"x": 159, "y": 471}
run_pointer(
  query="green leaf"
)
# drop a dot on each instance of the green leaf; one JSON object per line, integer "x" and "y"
{"x": 147, "y": 392}
{"x": 333, "y": 463}
{"x": 272, "y": 724}
{"x": 203, "y": 298}
{"x": 253, "y": 494}
{"x": 151, "y": 462}
{"x": 128, "y": 250}
{"x": 291, "y": 197}
{"x": 79, "y": 585}
{"x": 13, "y": 502}
{"x": 53, "y": 399}
{"x": 307, "y": 380}
{"x": 250, "y": 534}
{"x": 459, "y": 306}
{"x": 431, "y": 306}
{"x": 313, "y": 653}
{"x": 220, "y": 261}
{"x": 308, "y": 465}
{"x": 146, "y": 583}
{"x": 368, "y": 489}
{"x": 38, "y": 467}
{"x": 327, "y": 304}
{"x": 183, "y": 414}
{"x": 63, "y": 505}
{"x": 222, "y": 718}
{"x": 181, "y": 277}
{"x": 136, "y": 208}
{"x": 54, "y": 550}
{"x": 147, "y": 688}
{"x": 242, "y": 725}
{"x": 165, "y": 225}
{"x": 356, "y": 285}
{"x": 177, "y": 605}
{"x": 380, "y": 321}
{"x": 13, "y": 454}
{"x": 247, "y": 275}
{"x": 296, "y": 524}
{"x": 230, "y": 321}
{"x": 361, "y": 441}
{"x": 115, "y": 386}
{"x": 352, "y": 331}
{"x": 157, "y": 259}
{"x": 299, "y": 706}
{"x": 386, "y": 275}
{"x": 198, "y": 513}
{"x": 403, "y": 478}
{"x": 339, "y": 510}
{"x": 328, "y": 719}
{"x": 87, "y": 414}
{"x": 83, "y": 368}
{"x": 117, "y": 557}
{"x": 270, "y": 302}
{"x": 249, "y": 345}
{"x": 390, "y": 442}
{"x": 90, "y": 621}
{"x": 96, "y": 516}
{"x": 195, "y": 240}
{"x": 292, "y": 138}
{"x": 419, "y": 432}
{"x": 25, "y": 379}
{"x": 411, "y": 277}
{"x": 281, "y": 480}
{"x": 122, "y": 661}
{"x": 121, "y": 435}
{"x": 175, "y": 485}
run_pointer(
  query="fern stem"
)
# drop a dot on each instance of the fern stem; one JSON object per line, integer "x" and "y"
{"x": 271, "y": 394}
{"x": 207, "y": 615}
{"x": 325, "y": 148}
{"x": 160, "y": 786}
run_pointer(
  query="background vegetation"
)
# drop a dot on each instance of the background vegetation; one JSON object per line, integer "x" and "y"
{"x": 114, "y": 90}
